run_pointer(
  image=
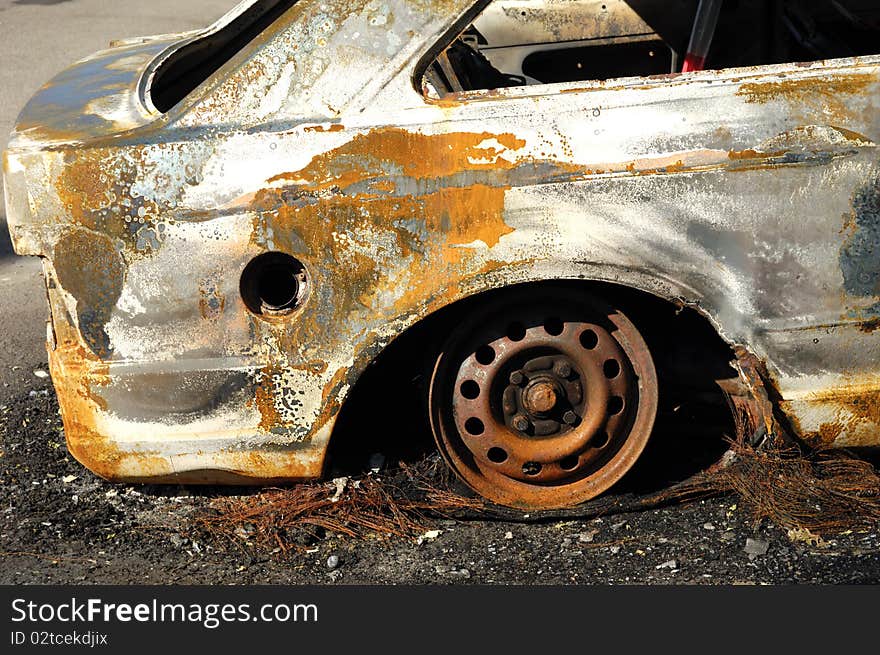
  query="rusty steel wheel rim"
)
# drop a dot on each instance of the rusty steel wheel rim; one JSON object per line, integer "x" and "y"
{"x": 543, "y": 399}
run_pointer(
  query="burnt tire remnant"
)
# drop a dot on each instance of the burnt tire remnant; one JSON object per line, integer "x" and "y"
{"x": 544, "y": 398}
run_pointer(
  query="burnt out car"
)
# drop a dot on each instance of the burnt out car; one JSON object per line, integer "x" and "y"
{"x": 235, "y": 223}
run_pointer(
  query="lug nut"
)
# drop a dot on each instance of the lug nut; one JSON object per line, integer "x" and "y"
{"x": 521, "y": 423}
{"x": 517, "y": 377}
{"x": 570, "y": 417}
{"x": 562, "y": 369}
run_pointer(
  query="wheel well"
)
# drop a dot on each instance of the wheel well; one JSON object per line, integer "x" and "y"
{"x": 386, "y": 411}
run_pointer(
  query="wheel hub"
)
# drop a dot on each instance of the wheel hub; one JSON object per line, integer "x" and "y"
{"x": 540, "y": 397}
{"x": 544, "y": 397}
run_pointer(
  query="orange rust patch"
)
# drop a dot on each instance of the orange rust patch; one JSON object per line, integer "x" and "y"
{"x": 430, "y": 230}
{"x": 433, "y": 252}
{"x": 248, "y": 468}
{"x": 375, "y": 256}
{"x": 827, "y": 93}
{"x": 89, "y": 268}
{"x": 798, "y": 89}
{"x": 95, "y": 186}
{"x": 330, "y": 396}
{"x": 75, "y": 373}
{"x": 80, "y": 188}
{"x": 335, "y": 127}
{"x": 259, "y": 466}
{"x": 211, "y": 299}
{"x": 585, "y": 89}
{"x": 825, "y": 437}
{"x": 749, "y": 153}
{"x": 855, "y": 409}
{"x": 317, "y": 366}
{"x": 849, "y": 135}
{"x": 468, "y": 214}
{"x": 417, "y": 155}
{"x": 865, "y": 407}
{"x": 450, "y": 100}
{"x": 265, "y": 396}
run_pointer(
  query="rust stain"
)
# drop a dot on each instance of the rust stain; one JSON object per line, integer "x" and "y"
{"x": 825, "y": 437}
{"x": 864, "y": 407}
{"x": 433, "y": 249}
{"x": 428, "y": 228}
{"x": 869, "y": 326}
{"x": 89, "y": 268}
{"x": 267, "y": 467}
{"x": 80, "y": 188}
{"x": 598, "y": 85}
{"x": 97, "y": 189}
{"x": 857, "y": 416}
{"x": 330, "y": 395}
{"x": 317, "y": 366}
{"x": 335, "y": 127}
{"x": 418, "y": 156}
{"x": 796, "y": 89}
{"x": 455, "y": 99}
{"x": 828, "y": 94}
{"x": 434, "y": 238}
{"x": 266, "y": 397}
{"x": 849, "y": 135}
{"x": 77, "y": 375}
{"x": 212, "y": 302}
{"x": 244, "y": 468}
{"x": 748, "y": 153}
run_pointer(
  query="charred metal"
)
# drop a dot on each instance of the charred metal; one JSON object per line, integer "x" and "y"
{"x": 234, "y": 222}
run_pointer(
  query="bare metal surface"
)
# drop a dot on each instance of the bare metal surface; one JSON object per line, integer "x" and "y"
{"x": 750, "y": 194}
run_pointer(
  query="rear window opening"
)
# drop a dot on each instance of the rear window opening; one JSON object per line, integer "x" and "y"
{"x": 528, "y": 42}
{"x": 194, "y": 63}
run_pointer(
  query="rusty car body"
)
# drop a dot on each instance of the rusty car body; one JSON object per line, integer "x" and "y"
{"x": 321, "y": 150}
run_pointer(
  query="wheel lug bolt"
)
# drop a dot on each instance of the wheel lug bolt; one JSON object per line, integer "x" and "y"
{"x": 570, "y": 417}
{"x": 521, "y": 423}
{"x": 517, "y": 377}
{"x": 562, "y": 369}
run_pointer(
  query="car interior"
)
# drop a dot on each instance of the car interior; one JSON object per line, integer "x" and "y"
{"x": 525, "y": 42}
